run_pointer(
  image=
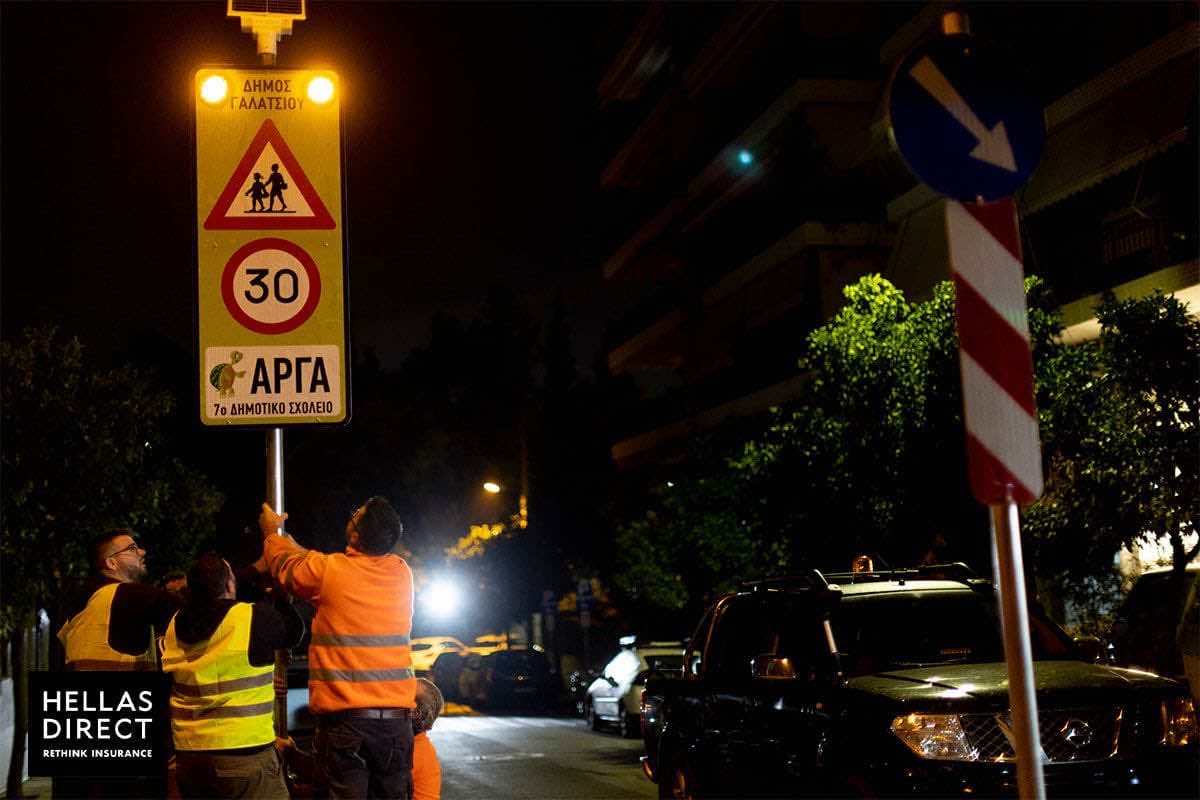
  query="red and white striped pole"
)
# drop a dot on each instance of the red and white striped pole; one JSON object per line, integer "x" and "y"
{"x": 1000, "y": 416}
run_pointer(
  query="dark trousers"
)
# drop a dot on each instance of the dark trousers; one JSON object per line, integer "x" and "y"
{"x": 73, "y": 787}
{"x": 249, "y": 775}
{"x": 365, "y": 758}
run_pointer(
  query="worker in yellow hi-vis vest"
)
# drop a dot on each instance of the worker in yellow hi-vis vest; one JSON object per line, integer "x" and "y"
{"x": 112, "y": 619}
{"x": 111, "y": 622}
{"x": 221, "y": 654}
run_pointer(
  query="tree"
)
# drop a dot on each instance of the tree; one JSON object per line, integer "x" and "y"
{"x": 695, "y": 543}
{"x": 83, "y": 452}
{"x": 1122, "y": 443}
{"x": 868, "y": 459}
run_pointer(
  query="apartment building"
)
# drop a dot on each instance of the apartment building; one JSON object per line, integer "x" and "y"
{"x": 751, "y": 176}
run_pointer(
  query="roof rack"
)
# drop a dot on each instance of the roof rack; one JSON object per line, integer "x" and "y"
{"x": 809, "y": 579}
{"x": 956, "y": 571}
{"x": 636, "y": 640}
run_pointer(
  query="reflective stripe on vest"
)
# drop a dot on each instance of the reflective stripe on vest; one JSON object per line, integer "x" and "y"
{"x": 220, "y": 701}
{"x": 85, "y": 638}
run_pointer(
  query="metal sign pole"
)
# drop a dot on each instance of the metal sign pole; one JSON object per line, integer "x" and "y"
{"x": 1014, "y": 616}
{"x": 275, "y": 469}
{"x": 275, "y": 500}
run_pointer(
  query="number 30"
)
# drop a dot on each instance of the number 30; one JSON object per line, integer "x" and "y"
{"x": 257, "y": 281}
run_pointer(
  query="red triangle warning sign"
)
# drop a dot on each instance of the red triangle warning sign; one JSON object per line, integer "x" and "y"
{"x": 268, "y": 191}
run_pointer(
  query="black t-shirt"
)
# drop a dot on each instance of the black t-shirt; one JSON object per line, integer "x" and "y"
{"x": 136, "y": 608}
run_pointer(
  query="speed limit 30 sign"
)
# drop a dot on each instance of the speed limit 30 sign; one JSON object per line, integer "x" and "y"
{"x": 271, "y": 285}
{"x": 271, "y": 303}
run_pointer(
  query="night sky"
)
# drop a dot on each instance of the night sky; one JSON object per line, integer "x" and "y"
{"x": 470, "y": 161}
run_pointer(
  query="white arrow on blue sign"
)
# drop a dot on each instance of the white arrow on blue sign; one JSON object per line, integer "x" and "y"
{"x": 962, "y": 121}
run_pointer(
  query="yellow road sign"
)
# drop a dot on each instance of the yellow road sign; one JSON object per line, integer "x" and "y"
{"x": 272, "y": 310}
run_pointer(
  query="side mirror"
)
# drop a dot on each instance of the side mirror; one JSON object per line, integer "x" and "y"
{"x": 769, "y": 665}
{"x": 1091, "y": 648}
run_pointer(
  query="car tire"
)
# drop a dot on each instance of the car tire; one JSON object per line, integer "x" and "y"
{"x": 663, "y": 776}
{"x": 630, "y": 725}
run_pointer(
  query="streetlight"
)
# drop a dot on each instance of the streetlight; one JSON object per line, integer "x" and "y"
{"x": 491, "y": 487}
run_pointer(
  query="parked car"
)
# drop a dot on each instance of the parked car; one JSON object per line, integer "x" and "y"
{"x": 614, "y": 697}
{"x": 426, "y": 649}
{"x": 1146, "y": 629}
{"x": 445, "y": 672}
{"x": 894, "y": 683}
{"x": 489, "y": 643}
{"x": 507, "y": 678}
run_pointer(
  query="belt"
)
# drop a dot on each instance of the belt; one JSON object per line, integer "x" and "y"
{"x": 368, "y": 713}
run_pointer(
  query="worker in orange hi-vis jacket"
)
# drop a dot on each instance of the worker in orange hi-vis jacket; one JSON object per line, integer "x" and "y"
{"x": 361, "y": 684}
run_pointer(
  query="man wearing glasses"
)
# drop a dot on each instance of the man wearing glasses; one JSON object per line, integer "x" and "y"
{"x": 361, "y": 684}
{"x": 111, "y": 624}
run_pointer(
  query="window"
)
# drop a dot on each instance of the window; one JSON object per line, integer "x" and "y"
{"x": 779, "y": 625}
{"x": 895, "y": 630}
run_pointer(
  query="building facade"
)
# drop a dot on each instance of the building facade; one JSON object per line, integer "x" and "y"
{"x": 751, "y": 176}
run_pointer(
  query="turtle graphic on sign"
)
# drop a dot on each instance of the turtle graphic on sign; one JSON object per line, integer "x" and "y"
{"x": 222, "y": 376}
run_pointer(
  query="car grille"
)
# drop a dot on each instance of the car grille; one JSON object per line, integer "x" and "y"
{"x": 1068, "y": 735}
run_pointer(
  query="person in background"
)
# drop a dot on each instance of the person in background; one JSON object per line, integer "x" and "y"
{"x": 427, "y": 772}
{"x": 361, "y": 683}
{"x": 221, "y": 654}
{"x": 111, "y": 624}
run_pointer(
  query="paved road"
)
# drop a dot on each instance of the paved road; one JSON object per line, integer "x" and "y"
{"x": 536, "y": 758}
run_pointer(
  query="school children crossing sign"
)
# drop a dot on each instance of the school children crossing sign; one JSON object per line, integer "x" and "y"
{"x": 272, "y": 310}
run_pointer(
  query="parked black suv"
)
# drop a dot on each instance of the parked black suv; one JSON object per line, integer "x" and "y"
{"x": 894, "y": 683}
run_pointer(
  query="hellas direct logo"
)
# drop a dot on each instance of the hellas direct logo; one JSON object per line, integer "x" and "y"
{"x": 92, "y": 726}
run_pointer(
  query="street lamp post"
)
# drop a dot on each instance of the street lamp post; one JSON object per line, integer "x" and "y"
{"x": 493, "y": 487}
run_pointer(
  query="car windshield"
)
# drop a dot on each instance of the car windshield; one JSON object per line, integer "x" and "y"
{"x": 895, "y": 630}
{"x": 665, "y": 663}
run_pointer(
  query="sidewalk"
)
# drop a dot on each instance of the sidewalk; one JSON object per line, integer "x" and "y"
{"x": 35, "y": 788}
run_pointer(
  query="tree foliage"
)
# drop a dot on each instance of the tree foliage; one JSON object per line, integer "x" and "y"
{"x": 870, "y": 457}
{"x": 84, "y": 451}
{"x": 1121, "y": 441}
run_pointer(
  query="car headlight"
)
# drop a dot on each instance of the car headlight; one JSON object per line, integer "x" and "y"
{"x": 935, "y": 736}
{"x": 1179, "y": 722}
